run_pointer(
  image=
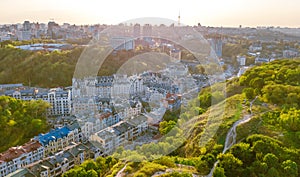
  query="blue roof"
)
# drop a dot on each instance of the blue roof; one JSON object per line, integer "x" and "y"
{"x": 53, "y": 135}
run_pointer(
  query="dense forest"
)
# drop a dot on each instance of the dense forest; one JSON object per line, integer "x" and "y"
{"x": 266, "y": 146}
{"x": 40, "y": 69}
{"x": 20, "y": 121}
{"x": 50, "y": 69}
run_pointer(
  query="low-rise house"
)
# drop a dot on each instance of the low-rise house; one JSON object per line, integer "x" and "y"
{"x": 54, "y": 165}
{"x": 290, "y": 53}
{"x": 113, "y": 137}
{"x": 119, "y": 134}
{"x": 57, "y": 139}
{"x": 18, "y": 157}
{"x": 76, "y": 129}
{"x": 256, "y": 47}
{"x": 60, "y": 162}
{"x": 241, "y": 60}
{"x": 92, "y": 125}
{"x": 259, "y": 60}
{"x": 140, "y": 124}
{"x": 95, "y": 149}
{"x": 173, "y": 101}
{"x": 80, "y": 153}
{"x": 106, "y": 138}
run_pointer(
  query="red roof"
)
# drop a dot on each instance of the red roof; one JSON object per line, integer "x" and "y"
{"x": 15, "y": 152}
{"x": 12, "y": 153}
{"x": 104, "y": 115}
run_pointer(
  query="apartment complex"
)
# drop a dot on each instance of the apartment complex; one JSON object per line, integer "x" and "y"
{"x": 59, "y": 99}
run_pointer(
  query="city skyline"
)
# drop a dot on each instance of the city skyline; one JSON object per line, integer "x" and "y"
{"x": 231, "y": 13}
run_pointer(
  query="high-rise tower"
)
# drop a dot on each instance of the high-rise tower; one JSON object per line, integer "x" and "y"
{"x": 179, "y": 19}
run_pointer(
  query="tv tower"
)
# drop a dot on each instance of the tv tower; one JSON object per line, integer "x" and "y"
{"x": 179, "y": 19}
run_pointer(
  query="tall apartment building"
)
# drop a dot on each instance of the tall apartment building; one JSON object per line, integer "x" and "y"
{"x": 136, "y": 30}
{"x": 217, "y": 45}
{"x": 59, "y": 99}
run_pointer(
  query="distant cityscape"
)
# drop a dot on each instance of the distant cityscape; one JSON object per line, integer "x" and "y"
{"x": 35, "y": 30}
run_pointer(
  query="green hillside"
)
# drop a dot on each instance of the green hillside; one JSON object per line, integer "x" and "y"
{"x": 267, "y": 145}
{"x": 41, "y": 69}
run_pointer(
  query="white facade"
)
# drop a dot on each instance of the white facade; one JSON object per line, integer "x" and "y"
{"x": 100, "y": 122}
{"x": 119, "y": 134}
{"x": 60, "y": 100}
{"x": 89, "y": 126}
{"x": 120, "y": 87}
{"x": 241, "y": 60}
{"x": 261, "y": 60}
{"x": 291, "y": 53}
{"x": 84, "y": 106}
{"x": 24, "y": 35}
{"x": 255, "y": 48}
{"x": 18, "y": 157}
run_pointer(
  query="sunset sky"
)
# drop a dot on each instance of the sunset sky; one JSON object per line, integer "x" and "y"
{"x": 208, "y": 12}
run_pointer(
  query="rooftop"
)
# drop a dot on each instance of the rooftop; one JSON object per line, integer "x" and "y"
{"x": 122, "y": 128}
{"x": 104, "y": 115}
{"x": 53, "y": 135}
{"x": 21, "y": 172}
{"x": 138, "y": 120}
{"x": 78, "y": 149}
{"x": 15, "y": 152}
{"x": 12, "y": 153}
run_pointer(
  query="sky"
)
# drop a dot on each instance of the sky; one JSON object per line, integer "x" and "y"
{"x": 226, "y": 13}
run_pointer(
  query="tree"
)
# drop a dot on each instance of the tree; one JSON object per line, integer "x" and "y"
{"x": 199, "y": 69}
{"x": 259, "y": 167}
{"x": 232, "y": 165}
{"x": 92, "y": 173}
{"x": 243, "y": 152}
{"x": 273, "y": 172}
{"x": 219, "y": 172}
{"x": 271, "y": 160}
{"x": 202, "y": 167}
{"x": 89, "y": 165}
{"x": 293, "y": 76}
{"x": 165, "y": 127}
{"x": 166, "y": 161}
{"x": 290, "y": 168}
{"x": 257, "y": 83}
{"x": 249, "y": 93}
{"x": 291, "y": 120}
{"x": 15, "y": 115}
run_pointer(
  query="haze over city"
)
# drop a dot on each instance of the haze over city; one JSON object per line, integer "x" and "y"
{"x": 229, "y": 13}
